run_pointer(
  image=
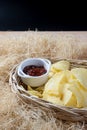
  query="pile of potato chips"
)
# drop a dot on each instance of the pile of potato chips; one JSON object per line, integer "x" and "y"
{"x": 66, "y": 87}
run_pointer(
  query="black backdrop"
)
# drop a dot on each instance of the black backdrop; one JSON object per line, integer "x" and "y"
{"x": 22, "y": 15}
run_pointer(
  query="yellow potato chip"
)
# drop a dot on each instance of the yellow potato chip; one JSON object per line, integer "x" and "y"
{"x": 55, "y": 86}
{"x": 51, "y": 74}
{"x": 75, "y": 89}
{"x": 54, "y": 99}
{"x": 81, "y": 75}
{"x": 51, "y": 86}
{"x": 69, "y": 98}
{"x": 54, "y": 70}
{"x": 61, "y": 65}
{"x": 82, "y": 91}
{"x": 35, "y": 93}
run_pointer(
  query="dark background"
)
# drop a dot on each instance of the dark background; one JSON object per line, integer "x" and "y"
{"x": 31, "y": 15}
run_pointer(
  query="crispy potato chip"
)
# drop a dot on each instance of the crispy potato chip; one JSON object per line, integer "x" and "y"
{"x": 36, "y": 92}
{"x": 52, "y": 86}
{"x": 82, "y": 91}
{"x": 69, "y": 98}
{"x": 55, "y": 86}
{"x": 54, "y": 99}
{"x": 51, "y": 74}
{"x": 81, "y": 75}
{"x": 75, "y": 89}
{"x": 61, "y": 65}
{"x": 54, "y": 70}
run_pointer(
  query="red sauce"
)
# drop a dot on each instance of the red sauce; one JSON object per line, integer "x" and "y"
{"x": 34, "y": 70}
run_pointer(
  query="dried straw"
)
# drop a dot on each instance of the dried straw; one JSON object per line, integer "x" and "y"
{"x": 15, "y": 47}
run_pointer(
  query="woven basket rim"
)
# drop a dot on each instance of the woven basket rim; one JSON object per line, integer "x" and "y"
{"x": 61, "y": 112}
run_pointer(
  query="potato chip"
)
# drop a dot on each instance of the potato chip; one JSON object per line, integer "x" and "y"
{"x": 35, "y": 93}
{"x": 75, "y": 89}
{"x": 82, "y": 91}
{"x": 52, "y": 86}
{"x": 50, "y": 74}
{"x": 69, "y": 98}
{"x": 61, "y": 65}
{"x": 54, "y": 99}
{"x": 55, "y": 86}
{"x": 81, "y": 75}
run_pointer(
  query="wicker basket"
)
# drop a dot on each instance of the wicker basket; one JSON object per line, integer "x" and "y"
{"x": 60, "y": 112}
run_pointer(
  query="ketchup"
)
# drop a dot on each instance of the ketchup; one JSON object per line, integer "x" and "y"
{"x": 34, "y": 70}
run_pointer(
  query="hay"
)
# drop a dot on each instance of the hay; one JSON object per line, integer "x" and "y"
{"x": 15, "y": 114}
